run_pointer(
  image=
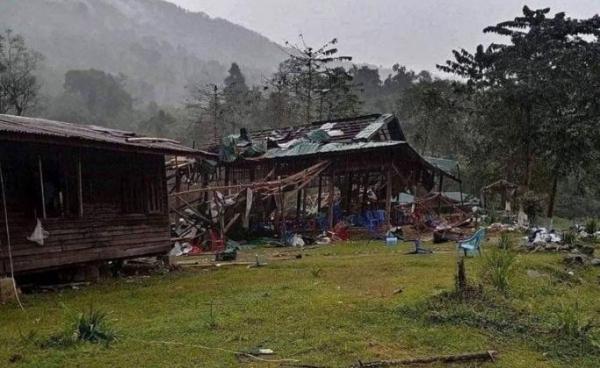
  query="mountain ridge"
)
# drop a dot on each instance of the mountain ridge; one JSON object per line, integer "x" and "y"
{"x": 159, "y": 46}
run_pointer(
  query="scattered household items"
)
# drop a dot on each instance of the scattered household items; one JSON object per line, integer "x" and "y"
{"x": 472, "y": 244}
{"x": 321, "y": 181}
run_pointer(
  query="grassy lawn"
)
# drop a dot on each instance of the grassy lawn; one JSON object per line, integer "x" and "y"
{"x": 332, "y": 307}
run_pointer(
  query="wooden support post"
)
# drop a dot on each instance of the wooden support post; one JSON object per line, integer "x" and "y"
{"x": 440, "y": 189}
{"x": 331, "y": 199}
{"x": 298, "y": 202}
{"x": 388, "y": 197}
{"x": 462, "y": 203}
{"x": 349, "y": 193}
{"x": 303, "y": 202}
{"x": 177, "y": 182}
{"x": 363, "y": 200}
{"x": 41, "y": 173}
{"x": 319, "y": 194}
{"x": 79, "y": 185}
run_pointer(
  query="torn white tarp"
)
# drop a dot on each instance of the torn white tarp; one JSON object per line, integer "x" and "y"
{"x": 39, "y": 234}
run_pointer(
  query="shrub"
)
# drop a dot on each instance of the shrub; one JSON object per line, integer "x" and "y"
{"x": 575, "y": 333}
{"x": 591, "y": 226}
{"x": 85, "y": 327}
{"x": 505, "y": 242}
{"x": 499, "y": 268}
{"x": 569, "y": 237}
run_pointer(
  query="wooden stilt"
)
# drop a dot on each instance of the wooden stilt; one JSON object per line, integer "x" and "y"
{"x": 319, "y": 194}
{"x": 388, "y": 197}
{"x": 79, "y": 186}
{"x": 440, "y": 190}
{"x": 331, "y": 199}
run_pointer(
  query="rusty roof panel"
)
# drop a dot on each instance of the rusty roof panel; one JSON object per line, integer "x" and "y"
{"x": 74, "y": 134}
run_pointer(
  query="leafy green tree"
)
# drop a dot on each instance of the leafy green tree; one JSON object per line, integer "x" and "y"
{"x": 103, "y": 94}
{"x": 19, "y": 87}
{"x": 545, "y": 80}
{"x": 159, "y": 124}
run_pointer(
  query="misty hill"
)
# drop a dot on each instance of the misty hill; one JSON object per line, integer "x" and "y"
{"x": 159, "y": 46}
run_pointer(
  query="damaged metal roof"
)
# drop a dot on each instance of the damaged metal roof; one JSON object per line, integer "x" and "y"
{"x": 311, "y": 148}
{"x": 19, "y": 128}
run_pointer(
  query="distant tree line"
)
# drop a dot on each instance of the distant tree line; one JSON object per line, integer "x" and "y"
{"x": 526, "y": 110}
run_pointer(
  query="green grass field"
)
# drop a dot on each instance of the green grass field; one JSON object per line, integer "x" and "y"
{"x": 331, "y": 308}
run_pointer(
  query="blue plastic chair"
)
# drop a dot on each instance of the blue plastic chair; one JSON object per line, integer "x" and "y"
{"x": 380, "y": 216}
{"x": 371, "y": 221}
{"x": 472, "y": 244}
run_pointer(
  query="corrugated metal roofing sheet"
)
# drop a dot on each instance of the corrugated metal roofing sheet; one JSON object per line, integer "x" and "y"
{"x": 370, "y": 129}
{"x": 74, "y": 134}
{"x": 444, "y": 164}
{"x": 311, "y": 148}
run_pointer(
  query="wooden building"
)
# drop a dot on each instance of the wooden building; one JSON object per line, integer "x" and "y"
{"x": 349, "y": 166}
{"x": 98, "y": 193}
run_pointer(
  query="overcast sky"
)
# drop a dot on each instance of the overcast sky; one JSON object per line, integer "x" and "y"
{"x": 416, "y": 33}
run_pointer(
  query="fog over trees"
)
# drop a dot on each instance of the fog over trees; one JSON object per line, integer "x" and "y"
{"x": 525, "y": 110}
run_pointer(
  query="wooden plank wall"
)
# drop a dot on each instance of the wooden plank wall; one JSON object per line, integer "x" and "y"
{"x": 104, "y": 232}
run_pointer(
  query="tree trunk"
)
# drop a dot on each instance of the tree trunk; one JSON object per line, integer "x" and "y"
{"x": 552, "y": 198}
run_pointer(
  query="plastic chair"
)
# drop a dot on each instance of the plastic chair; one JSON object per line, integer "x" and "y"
{"x": 472, "y": 244}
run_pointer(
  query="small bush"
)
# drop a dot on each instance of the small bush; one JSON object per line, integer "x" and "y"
{"x": 85, "y": 327}
{"x": 570, "y": 322}
{"x": 575, "y": 333}
{"x": 591, "y": 226}
{"x": 499, "y": 268}
{"x": 505, "y": 242}
{"x": 569, "y": 237}
{"x": 316, "y": 272}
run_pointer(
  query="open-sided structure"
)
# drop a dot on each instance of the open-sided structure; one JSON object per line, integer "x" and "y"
{"x": 90, "y": 193}
{"x": 323, "y": 172}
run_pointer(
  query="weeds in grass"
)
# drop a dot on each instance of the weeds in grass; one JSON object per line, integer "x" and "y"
{"x": 573, "y": 332}
{"x": 499, "y": 267}
{"x": 591, "y": 226}
{"x": 316, "y": 272}
{"x": 566, "y": 335}
{"x": 89, "y": 327}
{"x": 505, "y": 242}
{"x": 569, "y": 237}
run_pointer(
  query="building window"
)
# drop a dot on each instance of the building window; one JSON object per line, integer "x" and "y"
{"x": 58, "y": 178}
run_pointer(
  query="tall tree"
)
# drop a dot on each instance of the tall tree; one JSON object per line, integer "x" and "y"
{"x": 158, "y": 124}
{"x": 103, "y": 94}
{"x": 19, "y": 87}
{"x": 546, "y": 81}
{"x": 308, "y": 73}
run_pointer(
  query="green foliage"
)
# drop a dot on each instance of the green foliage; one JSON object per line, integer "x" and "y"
{"x": 532, "y": 205}
{"x": 591, "y": 226}
{"x": 575, "y": 333}
{"x": 103, "y": 94}
{"x": 505, "y": 242}
{"x": 91, "y": 327}
{"x": 19, "y": 86}
{"x": 569, "y": 237}
{"x": 499, "y": 267}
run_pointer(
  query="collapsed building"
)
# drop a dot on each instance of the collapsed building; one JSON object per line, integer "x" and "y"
{"x": 306, "y": 178}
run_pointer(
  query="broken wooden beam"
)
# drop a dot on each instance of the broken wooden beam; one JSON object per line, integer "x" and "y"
{"x": 457, "y": 358}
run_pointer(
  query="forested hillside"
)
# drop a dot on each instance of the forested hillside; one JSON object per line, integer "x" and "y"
{"x": 157, "y": 45}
